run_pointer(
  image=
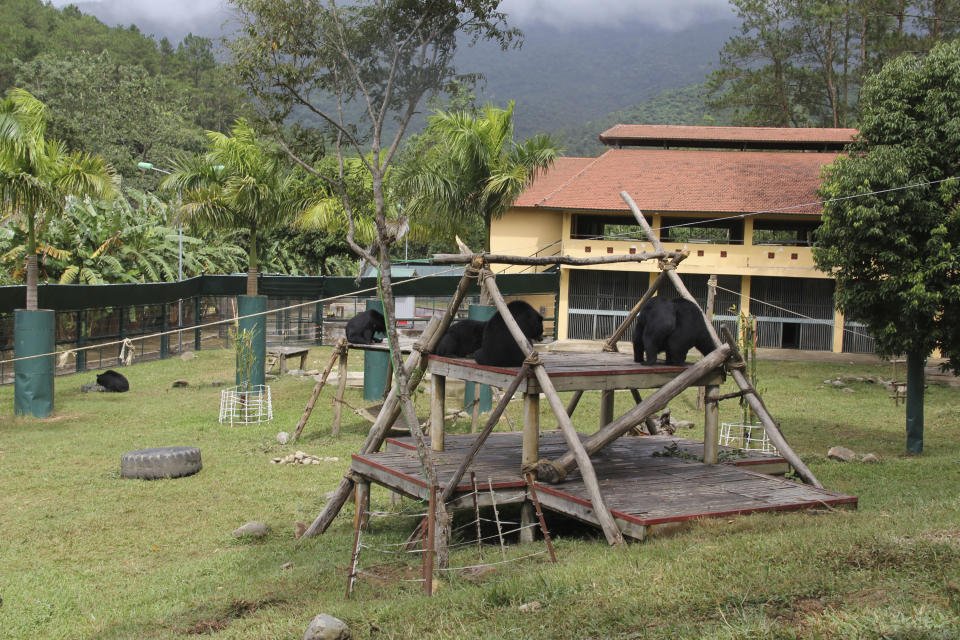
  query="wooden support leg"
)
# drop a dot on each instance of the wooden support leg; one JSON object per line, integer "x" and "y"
{"x": 531, "y": 453}
{"x": 574, "y": 401}
{"x": 475, "y": 418}
{"x": 711, "y": 424}
{"x": 606, "y": 407}
{"x": 341, "y": 388}
{"x": 438, "y": 391}
{"x": 361, "y": 517}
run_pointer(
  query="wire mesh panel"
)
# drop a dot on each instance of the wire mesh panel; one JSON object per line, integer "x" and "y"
{"x": 246, "y": 406}
{"x": 749, "y": 437}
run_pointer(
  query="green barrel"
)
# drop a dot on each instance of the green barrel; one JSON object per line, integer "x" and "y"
{"x": 247, "y": 305}
{"x": 479, "y": 312}
{"x": 33, "y": 333}
{"x": 376, "y": 365}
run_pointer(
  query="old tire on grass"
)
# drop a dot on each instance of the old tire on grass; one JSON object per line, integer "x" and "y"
{"x": 162, "y": 462}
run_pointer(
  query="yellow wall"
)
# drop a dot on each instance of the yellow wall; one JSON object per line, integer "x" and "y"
{"x": 525, "y": 232}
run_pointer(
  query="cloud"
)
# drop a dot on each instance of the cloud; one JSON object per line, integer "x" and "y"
{"x": 670, "y": 15}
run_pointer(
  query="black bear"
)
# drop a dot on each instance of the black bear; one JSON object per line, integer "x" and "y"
{"x": 113, "y": 381}
{"x": 672, "y": 326}
{"x": 463, "y": 338}
{"x": 498, "y": 346}
{"x": 361, "y": 327}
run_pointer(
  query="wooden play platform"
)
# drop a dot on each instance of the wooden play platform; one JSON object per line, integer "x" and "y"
{"x": 643, "y": 491}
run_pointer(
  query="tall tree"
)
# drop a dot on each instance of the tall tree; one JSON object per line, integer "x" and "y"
{"x": 359, "y": 68}
{"x": 37, "y": 173}
{"x": 893, "y": 249}
{"x": 803, "y": 62}
{"x": 470, "y": 169}
{"x": 238, "y": 184}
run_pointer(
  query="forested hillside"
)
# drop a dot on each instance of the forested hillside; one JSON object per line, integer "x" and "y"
{"x": 113, "y": 90}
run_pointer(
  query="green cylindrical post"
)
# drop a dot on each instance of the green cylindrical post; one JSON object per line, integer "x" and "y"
{"x": 479, "y": 312}
{"x": 376, "y": 365}
{"x": 247, "y": 305}
{"x": 915, "y": 364}
{"x": 33, "y": 334}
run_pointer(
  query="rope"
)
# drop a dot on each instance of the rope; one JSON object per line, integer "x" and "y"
{"x": 545, "y": 469}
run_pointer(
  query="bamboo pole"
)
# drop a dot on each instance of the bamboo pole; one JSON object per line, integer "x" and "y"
{"x": 318, "y": 388}
{"x": 543, "y": 523}
{"x": 753, "y": 399}
{"x": 638, "y": 414}
{"x": 607, "y": 523}
{"x": 488, "y": 258}
{"x": 611, "y": 344}
{"x": 415, "y": 365}
{"x": 429, "y": 543}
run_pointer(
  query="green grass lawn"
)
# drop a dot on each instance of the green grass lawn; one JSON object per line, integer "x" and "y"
{"x": 86, "y": 554}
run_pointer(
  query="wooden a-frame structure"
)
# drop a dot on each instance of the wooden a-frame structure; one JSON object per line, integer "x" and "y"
{"x": 723, "y": 358}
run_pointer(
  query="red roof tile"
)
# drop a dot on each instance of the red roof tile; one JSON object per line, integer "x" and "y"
{"x": 683, "y": 180}
{"x": 738, "y": 137}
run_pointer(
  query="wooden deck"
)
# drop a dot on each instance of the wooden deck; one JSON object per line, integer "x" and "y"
{"x": 645, "y": 492}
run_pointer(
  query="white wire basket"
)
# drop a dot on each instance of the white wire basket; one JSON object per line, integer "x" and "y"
{"x": 246, "y": 407}
{"x": 749, "y": 437}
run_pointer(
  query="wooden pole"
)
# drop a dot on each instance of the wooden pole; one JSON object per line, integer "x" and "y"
{"x": 574, "y": 401}
{"x": 711, "y": 298}
{"x": 341, "y": 388}
{"x": 476, "y": 514}
{"x": 543, "y": 523}
{"x": 638, "y": 414}
{"x": 607, "y": 523}
{"x": 352, "y": 573}
{"x": 428, "y": 547}
{"x": 611, "y": 343}
{"x": 492, "y": 258}
{"x": 753, "y": 399}
{"x": 318, "y": 388}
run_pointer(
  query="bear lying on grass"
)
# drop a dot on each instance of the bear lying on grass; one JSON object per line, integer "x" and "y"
{"x": 498, "y": 346}
{"x": 113, "y": 381}
{"x": 672, "y": 326}
{"x": 361, "y": 327}
{"x": 462, "y": 339}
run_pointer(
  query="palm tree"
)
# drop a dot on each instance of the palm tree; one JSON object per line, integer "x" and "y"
{"x": 37, "y": 174}
{"x": 472, "y": 169}
{"x": 238, "y": 184}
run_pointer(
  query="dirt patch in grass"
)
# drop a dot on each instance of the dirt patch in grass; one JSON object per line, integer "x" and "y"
{"x": 234, "y": 610}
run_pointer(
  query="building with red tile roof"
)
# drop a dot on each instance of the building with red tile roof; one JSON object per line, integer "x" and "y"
{"x": 741, "y": 200}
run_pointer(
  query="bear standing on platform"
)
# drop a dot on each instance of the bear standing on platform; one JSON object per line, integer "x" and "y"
{"x": 498, "y": 346}
{"x": 361, "y": 327}
{"x": 462, "y": 339}
{"x": 673, "y": 326}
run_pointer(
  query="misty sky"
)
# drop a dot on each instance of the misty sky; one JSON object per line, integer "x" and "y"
{"x": 669, "y": 15}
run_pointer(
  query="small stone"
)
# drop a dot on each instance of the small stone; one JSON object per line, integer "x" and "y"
{"x": 870, "y": 458}
{"x": 286, "y": 565}
{"x": 91, "y": 386}
{"x": 838, "y": 383}
{"x": 253, "y": 529}
{"x": 841, "y": 453}
{"x": 326, "y": 627}
{"x": 828, "y": 381}
{"x": 283, "y": 437}
{"x": 313, "y": 372}
{"x": 217, "y": 383}
{"x": 848, "y": 390}
{"x": 314, "y": 461}
{"x": 295, "y": 372}
{"x": 299, "y": 528}
{"x": 270, "y": 376}
{"x": 180, "y": 383}
{"x": 187, "y": 355}
{"x": 299, "y": 455}
{"x": 529, "y": 606}
{"x": 277, "y": 460}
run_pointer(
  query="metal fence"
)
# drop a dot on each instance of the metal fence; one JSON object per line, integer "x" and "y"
{"x": 97, "y": 317}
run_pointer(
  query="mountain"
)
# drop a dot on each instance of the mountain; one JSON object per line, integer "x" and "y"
{"x": 559, "y": 79}
{"x": 564, "y": 77}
